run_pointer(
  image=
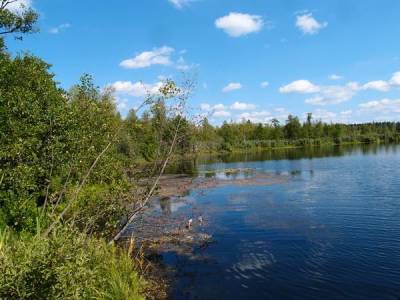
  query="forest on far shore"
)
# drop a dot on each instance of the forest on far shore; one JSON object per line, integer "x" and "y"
{"x": 73, "y": 172}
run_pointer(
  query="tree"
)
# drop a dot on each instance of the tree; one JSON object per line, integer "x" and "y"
{"x": 292, "y": 127}
{"x": 16, "y": 19}
{"x": 33, "y": 122}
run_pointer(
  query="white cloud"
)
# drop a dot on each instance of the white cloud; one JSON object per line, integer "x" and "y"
{"x": 19, "y": 5}
{"x": 264, "y": 84}
{"x": 334, "y": 94}
{"x": 238, "y": 24}
{"x": 242, "y": 106}
{"x": 308, "y": 24}
{"x": 335, "y": 77}
{"x": 383, "y": 85}
{"x": 299, "y": 86}
{"x": 179, "y": 4}
{"x": 385, "y": 106}
{"x": 232, "y": 86}
{"x": 218, "y": 107}
{"x": 136, "y": 89}
{"x": 56, "y": 30}
{"x": 157, "y": 56}
{"x": 334, "y": 117}
{"x": 221, "y": 114}
{"x": 208, "y": 107}
{"x": 395, "y": 80}
{"x": 323, "y": 95}
{"x": 256, "y": 116}
{"x": 378, "y": 85}
{"x": 324, "y": 115}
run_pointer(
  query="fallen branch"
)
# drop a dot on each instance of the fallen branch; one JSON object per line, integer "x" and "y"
{"x": 153, "y": 188}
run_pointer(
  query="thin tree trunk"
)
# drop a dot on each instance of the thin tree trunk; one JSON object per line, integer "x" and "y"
{"x": 154, "y": 186}
{"x": 60, "y": 216}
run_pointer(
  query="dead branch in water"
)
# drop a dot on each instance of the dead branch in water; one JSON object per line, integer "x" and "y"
{"x": 152, "y": 189}
{"x": 182, "y": 97}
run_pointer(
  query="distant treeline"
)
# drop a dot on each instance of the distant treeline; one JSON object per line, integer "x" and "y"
{"x": 204, "y": 137}
{"x": 71, "y": 172}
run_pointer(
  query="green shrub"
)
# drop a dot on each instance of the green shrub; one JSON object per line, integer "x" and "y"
{"x": 98, "y": 209}
{"x": 66, "y": 265}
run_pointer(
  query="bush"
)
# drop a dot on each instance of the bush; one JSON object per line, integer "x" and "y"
{"x": 98, "y": 209}
{"x": 66, "y": 265}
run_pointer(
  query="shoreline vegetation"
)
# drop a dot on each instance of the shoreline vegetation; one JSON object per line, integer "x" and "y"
{"x": 73, "y": 173}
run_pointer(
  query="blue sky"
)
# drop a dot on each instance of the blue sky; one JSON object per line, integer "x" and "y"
{"x": 255, "y": 59}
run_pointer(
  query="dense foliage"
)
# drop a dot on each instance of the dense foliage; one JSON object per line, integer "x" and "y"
{"x": 71, "y": 170}
{"x": 248, "y": 135}
{"x": 68, "y": 177}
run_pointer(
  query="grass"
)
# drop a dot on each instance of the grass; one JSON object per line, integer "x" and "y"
{"x": 66, "y": 265}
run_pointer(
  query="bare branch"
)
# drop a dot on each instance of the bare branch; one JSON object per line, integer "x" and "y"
{"x": 152, "y": 190}
{"x": 61, "y": 215}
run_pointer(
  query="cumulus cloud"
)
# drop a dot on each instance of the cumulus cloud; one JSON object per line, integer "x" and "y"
{"x": 378, "y": 85}
{"x": 299, "y": 86}
{"x": 308, "y": 24}
{"x": 384, "y": 106}
{"x": 264, "y": 84}
{"x": 256, "y": 116}
{"x": 179, "y": 4}
{"x": 335, "y": 77}
{"x": 157, "y": 56}
{"x": 136, "y": 89}
{"x": 395, "y": 80}
{"x": 221, "y": 114}
{"x": 208, "y": 107}
{"x": 242, "y": 106}
{"x": 59, "y": 28}
{"x": 334, "y": 94}
{"x": 324, "y": 115}
{"x": 383, "y": 85}
{"x": 239, "y": 24}
{"x": 231, "y": 87}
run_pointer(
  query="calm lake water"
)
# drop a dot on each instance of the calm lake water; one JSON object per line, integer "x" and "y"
{"x": 332, "y": 231}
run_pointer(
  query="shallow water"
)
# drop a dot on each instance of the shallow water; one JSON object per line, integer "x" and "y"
{"x": 332, "y": 231}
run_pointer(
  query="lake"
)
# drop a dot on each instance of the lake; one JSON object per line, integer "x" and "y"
{"x": 331, "y": 231}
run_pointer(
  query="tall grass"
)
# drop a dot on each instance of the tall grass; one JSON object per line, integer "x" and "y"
{"x": 65, "y": 265}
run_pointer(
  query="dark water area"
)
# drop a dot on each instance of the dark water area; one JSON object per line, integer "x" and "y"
{"x": 331, "y": 231}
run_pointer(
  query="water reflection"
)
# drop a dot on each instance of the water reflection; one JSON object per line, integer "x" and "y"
{"x": 331, "y": 231}
{"x": 193, "y": 165}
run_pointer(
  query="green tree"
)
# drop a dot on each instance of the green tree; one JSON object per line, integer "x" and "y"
{"x": 15, "y": 21}
{"x": 292, "y": 128}
{"x": 33, "y": 120}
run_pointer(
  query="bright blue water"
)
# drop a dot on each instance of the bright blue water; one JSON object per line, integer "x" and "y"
{"x": 331, "y": 232}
